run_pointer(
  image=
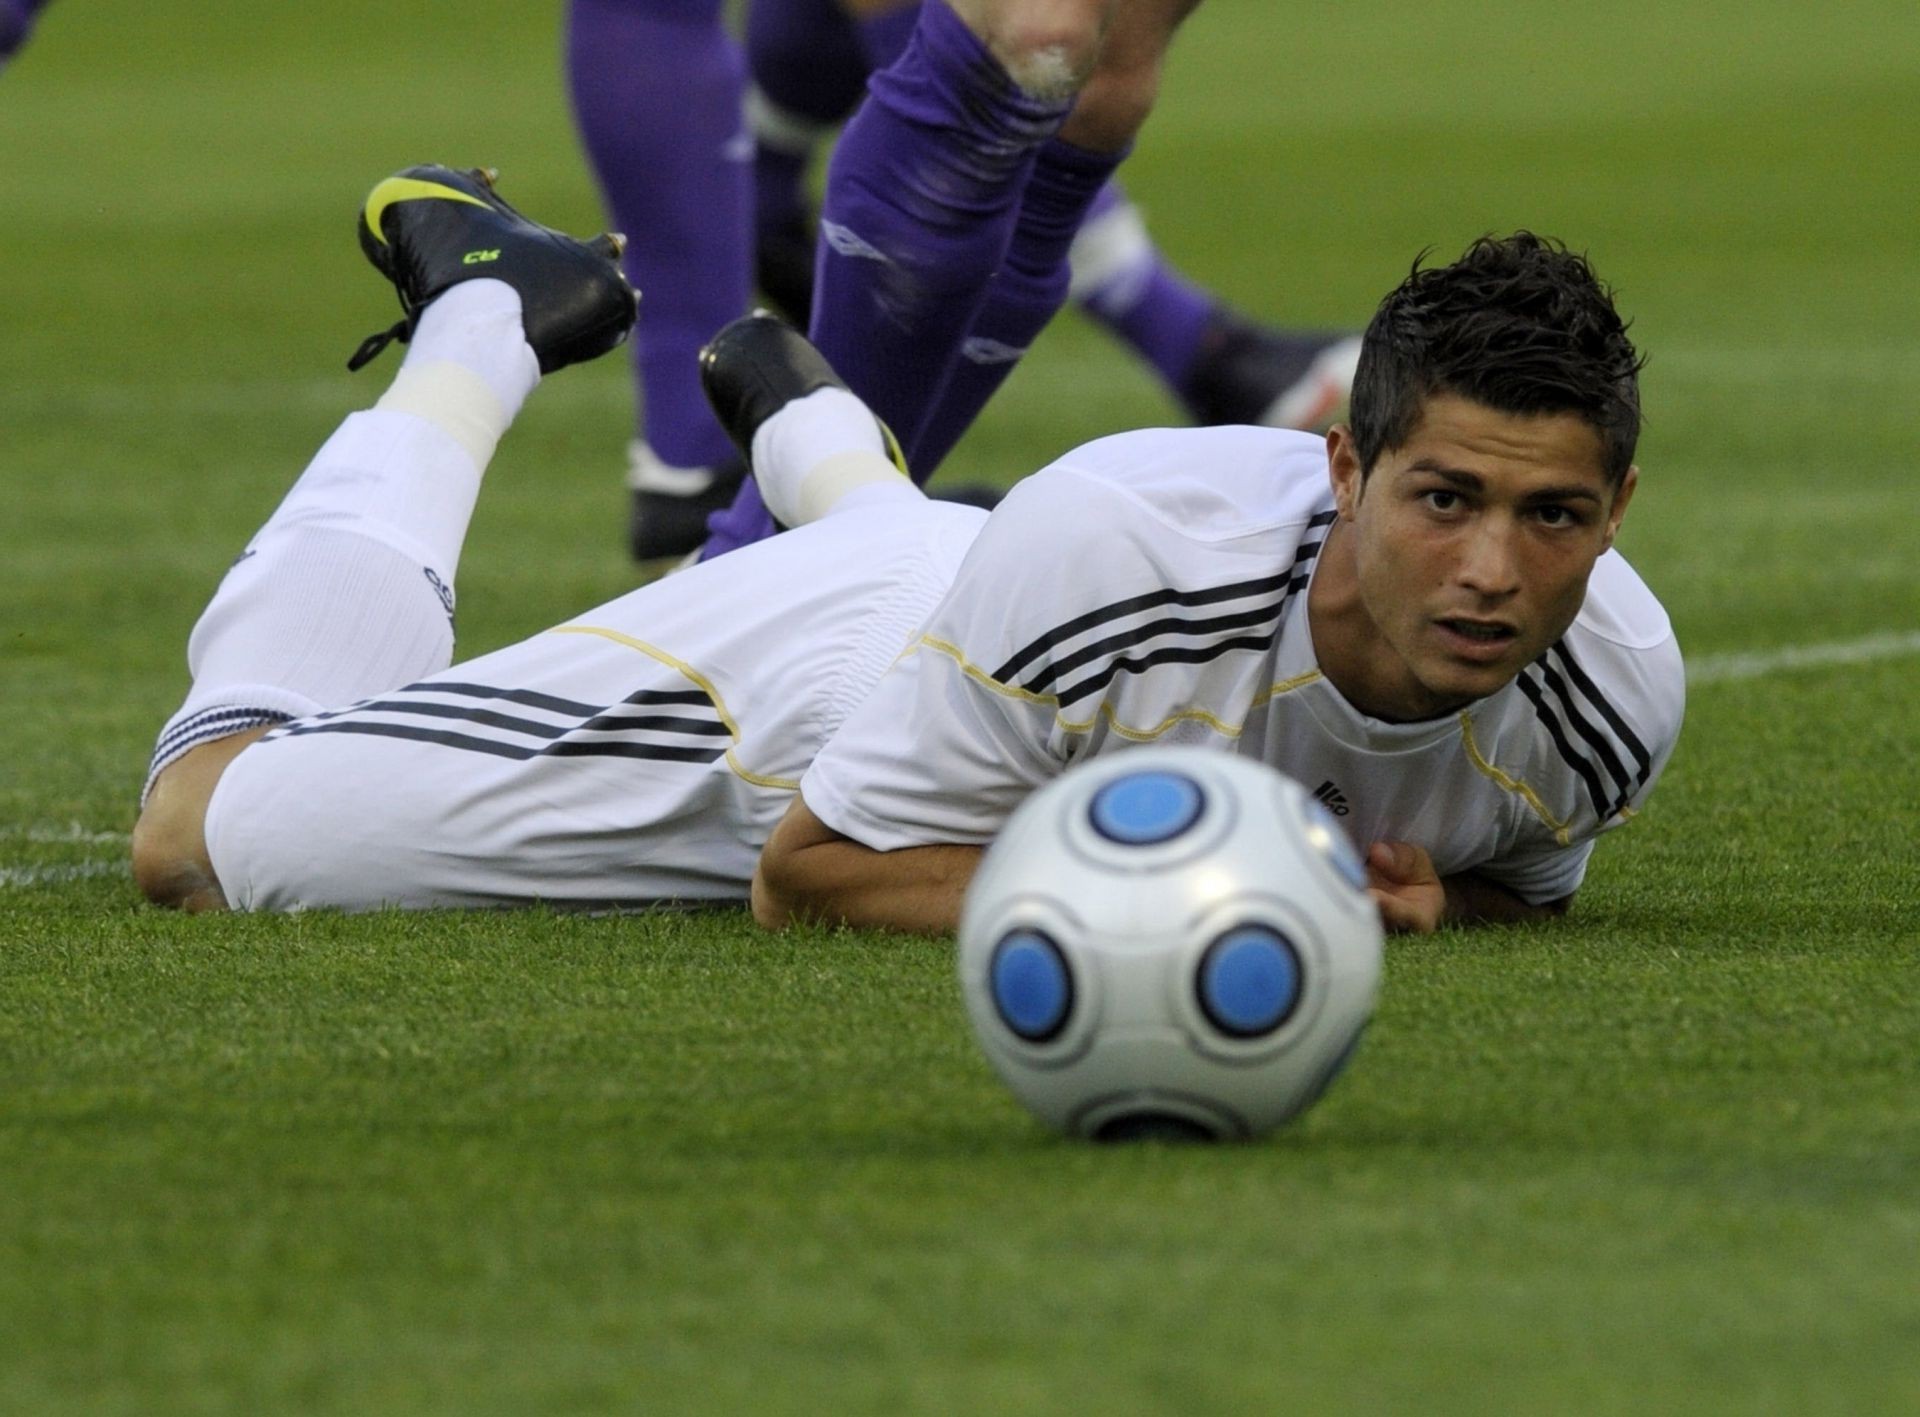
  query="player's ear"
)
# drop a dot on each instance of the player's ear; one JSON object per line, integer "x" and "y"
{"x": 1619, "y": 509}
{"x": 1343, "y": 470}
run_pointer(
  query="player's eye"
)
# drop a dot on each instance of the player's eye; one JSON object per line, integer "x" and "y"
{"x": 1555, "y": 515}
{"x": 1441, "y": 499}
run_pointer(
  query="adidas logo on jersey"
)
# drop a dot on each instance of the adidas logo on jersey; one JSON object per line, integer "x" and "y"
{"x": 1332, "y": 798}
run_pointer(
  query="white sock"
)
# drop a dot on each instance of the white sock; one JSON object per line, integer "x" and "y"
{"x": 811, "y": 455}
{"x": 782, "y": 129}
{"x": 469, "y": 366}
{"x": 1111, "y": 260}
{"x": 347, "y": 591}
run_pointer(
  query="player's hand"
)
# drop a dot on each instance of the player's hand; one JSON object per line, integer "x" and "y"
{"x": 1401, "y": 879}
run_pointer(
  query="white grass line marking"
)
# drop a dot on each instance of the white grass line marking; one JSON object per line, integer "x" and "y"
{"x": 48, "y": 834}
{"x": 1755, "y": 664}
{"x": 53, "y": 875}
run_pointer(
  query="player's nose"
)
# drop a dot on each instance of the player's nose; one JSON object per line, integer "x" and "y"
{"x": 1489, "y": 562}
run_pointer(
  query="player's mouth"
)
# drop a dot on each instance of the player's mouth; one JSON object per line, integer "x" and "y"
{"x": 1483, "y": 641}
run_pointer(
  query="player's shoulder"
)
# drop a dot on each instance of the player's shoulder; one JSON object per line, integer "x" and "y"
{"x": 1202, "y": 485}
{"x": 1176, "y": 494}
{"x": 1621, "y": 650}
{"x": 1597, "y": 715}
{"x": 1109, "y": 540}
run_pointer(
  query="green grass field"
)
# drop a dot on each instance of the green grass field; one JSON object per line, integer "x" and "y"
{"x": 1664, "y": 1157}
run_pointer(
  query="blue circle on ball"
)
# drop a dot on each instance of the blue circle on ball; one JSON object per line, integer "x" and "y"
{"x": 1249, "y": 981}
{"x": 1032, "y": 989}
{"x": 1147, "y": 808}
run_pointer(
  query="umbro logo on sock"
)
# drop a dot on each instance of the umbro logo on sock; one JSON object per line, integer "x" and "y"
{"x": 845, "y": 241}
{"x": 1332, "y": 798}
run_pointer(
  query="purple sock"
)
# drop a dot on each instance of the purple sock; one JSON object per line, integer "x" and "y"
{"x": 884, "y": 37}
{"x": 657, "y": 91}
{"x": 779, "y": 186}
{"x": 16, "y": 23}
{"x": 1122, "y": 281}
{"x": 807, "y": 61}
{"x": 921, "y": 201}
{"x": 1028, "y": 291}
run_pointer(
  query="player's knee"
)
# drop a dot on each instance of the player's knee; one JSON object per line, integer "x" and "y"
{"x": 1114, "y": 103}
{"x": 1047, "y": 47}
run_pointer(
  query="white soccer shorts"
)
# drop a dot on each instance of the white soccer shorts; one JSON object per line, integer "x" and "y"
{"x": 642, "y": 752}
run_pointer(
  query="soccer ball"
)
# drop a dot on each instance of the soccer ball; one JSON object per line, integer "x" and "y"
{"x": 1170, "y": 942}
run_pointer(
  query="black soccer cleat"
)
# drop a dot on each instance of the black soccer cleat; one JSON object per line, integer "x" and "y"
{"x": 758, "y": 365}
{"x": 429, "y": 228}
{"x": 1247, "y": 373}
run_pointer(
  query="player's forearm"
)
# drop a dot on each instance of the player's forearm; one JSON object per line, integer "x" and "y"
{"x": 917, "y": 889}
{"x": 1475, "y": 900}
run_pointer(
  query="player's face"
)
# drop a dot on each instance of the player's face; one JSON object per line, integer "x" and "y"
{"x": 1472, "y": 545}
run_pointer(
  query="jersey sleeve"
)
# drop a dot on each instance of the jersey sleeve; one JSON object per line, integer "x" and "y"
{"x": 951, "y": 740}
{"x": 1541, "y": 870}
{"x": 1621, "y": 716}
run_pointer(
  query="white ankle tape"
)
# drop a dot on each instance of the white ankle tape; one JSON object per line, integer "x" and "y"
{"x": 454, "y": 399}
{"x": 827, "y": 482}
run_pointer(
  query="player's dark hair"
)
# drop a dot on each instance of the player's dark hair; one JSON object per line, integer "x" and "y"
{"x": 1518, "y": 323}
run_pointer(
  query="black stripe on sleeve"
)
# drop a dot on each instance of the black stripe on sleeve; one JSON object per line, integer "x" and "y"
{"x": 1140, "y": 634}
{"x": 527, "y": 697}
{"x": 611, "y": 722}
{"x": 1580, "y": 765}
{"x": 1594, "y": 738}
{"x": 1607, "y": 711}
{"x": 1154, "y": 600}
{"x": 1172, "y": 654}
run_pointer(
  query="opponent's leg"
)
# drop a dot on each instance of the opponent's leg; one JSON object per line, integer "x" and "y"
{"x": 1223, "y": 367}
{"x": 1123, "y": 282}
{"x": 347, "y": 590}
{"x": 808, "y": 73}
{"x": 657, "y": 88}
{"x": 921, "y": 199}
{"x": 1068, "y": 174}
{"x": 924, "y": 189}
{"x": 16, "y": 24}
{"x": 1027, "y": 292}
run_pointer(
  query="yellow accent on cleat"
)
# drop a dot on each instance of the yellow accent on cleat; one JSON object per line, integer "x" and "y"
{"x": 895, "y": 453}
{"x": 479, "y": 258}
{"x": 407, "y": 189}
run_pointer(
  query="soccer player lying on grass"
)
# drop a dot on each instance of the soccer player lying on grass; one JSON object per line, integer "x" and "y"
{"x": 1419, "y": 616}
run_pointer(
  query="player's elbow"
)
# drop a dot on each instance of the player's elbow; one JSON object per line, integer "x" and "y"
{"x": 171, "y": 870}
{"x": 786, "y": 889}
{"x": 773, "y": 908}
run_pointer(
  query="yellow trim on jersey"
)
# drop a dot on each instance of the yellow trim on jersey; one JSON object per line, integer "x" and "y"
{"x": 407, "y": 189}
{"x": 986, "y": 680}
{"x": 1286, "y": 686}
{"x": 1511, "y": 784}
{"x": 1052, "y": 701}
{"x": 700, "y": 682}
{"x": 760, "y": 779}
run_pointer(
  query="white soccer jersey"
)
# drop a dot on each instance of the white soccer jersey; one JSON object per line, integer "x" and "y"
{"x": 1151, "y": 587}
